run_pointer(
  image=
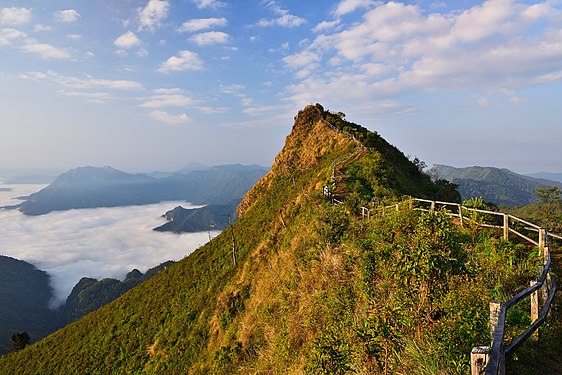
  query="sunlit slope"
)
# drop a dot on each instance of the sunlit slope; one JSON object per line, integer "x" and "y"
{"x": 251, "y": 299}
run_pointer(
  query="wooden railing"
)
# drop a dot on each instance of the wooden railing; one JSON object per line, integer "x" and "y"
{"x": 490, "y": 360}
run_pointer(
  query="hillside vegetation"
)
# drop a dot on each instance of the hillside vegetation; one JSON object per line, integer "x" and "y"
{"x": 24, "y": 302}
{"x": 298, "y": 285}
{"x": 495, "y": 185}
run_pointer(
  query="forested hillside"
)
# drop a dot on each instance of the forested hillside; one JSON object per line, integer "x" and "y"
{"x": 298, "y": 285}
{"x": 494, "y": 185}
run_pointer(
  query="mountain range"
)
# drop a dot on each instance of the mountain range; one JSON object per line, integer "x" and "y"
{"x": 494, "y": 185}
{"x": 89, "y": 187}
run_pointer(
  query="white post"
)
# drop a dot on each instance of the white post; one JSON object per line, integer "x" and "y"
{"x": 506, "y": 227}
{"x": 495, "y": 308}
{"x": 479, "y": 357}
{"x": 534, "y": 309}
{"x": 460, "y": 215}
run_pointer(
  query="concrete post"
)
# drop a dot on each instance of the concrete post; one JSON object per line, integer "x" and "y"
{"x": 495, "y": 308}
{"x": 506, "y": 227}
{"x": 432, "y": 208}
{"x": 479, "y": 359}
{"x": 542, "y": 238}
{"x": 534, "y": 309}
{"x": 460, "y": 215}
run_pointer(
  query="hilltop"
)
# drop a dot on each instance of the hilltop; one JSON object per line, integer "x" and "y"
{"x": 298, "y": 285}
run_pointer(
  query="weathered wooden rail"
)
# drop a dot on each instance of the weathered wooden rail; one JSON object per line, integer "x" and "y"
{"x": 490, "y": 360}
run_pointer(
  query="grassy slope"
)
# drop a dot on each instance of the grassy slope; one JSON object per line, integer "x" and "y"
{"x": 313, "y": 290}
{"x": 166, "y": 324}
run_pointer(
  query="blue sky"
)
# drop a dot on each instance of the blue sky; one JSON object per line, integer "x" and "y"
{"x": 154, "y": 84}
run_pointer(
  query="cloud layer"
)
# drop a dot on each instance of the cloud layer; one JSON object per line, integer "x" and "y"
{"x": 99, "y": 243}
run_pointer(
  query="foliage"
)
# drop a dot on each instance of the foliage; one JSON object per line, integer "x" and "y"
{"x": 19, "y": 340}
{"x": 548, "y": 194}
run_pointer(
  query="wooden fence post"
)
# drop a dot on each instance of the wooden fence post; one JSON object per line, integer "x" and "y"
{"x": 479, "y": 356}
{"x": 506, "y": 227}
{"x": 495, "y": 308}
{"x": 460, "y": 215}
{"x": 397, "y": 207}
{"x": 534, "y": 309}
{"x": 432, "y": 208}
{"x": 542, "y": 239}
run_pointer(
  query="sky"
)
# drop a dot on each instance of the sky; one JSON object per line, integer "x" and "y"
{"x": 97, "y": 242}
{"x": 145, "y": 85}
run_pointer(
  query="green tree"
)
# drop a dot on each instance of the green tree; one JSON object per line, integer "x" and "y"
{"x": 550, "y": 204}
{"x": 19, "y": 340}
{"x": 548, "y": 194}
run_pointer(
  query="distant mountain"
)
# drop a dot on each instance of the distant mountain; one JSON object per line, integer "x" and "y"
{"x": 546, "y": 175}
{"x": 89, "y": 187}
{"x": 185, "y": 170}
{"x": 495, "y": 185}
{"x": 211, "y": 217}
{"x": 24, "y": 301}
{"x": 91, "y": 294}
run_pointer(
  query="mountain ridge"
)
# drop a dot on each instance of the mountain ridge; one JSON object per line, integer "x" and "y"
{"x": 500, "y": 186}
{"x": 89, "y": 187}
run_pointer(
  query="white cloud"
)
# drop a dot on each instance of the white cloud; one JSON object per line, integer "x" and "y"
{"x": 127, "y": 40}
{"x": 169, "y": 118}
{"x": 348, "y": 6}
{"x": 67, "y": 16}
{"x": 168, "y": 98}
{"x": 92, "y": 97}
{"x": 8, "y": 35}
{"x": 213, "y": 4}
{"x": 88, "y": 83}
{"x": 142, "y": 52}
{"x": 285, "y": 19}
{"x": 396, "y": 49}
{"x": 210, "y": 37}
{"x": 186, "y": 60}
{"x": 42, "y": 28}
{"x": 199, "y": 24}
{"x": 326, "y": 25}
{"x": 15, "y": 16}
{"x": 233, "y": 89}
{"x": 74, "y": 36}
{"x": 153, "y": 14}
{"x": 302, "y": 59}
{"x": 45, "y": 51}
{"x": 98, "y": 243}
{"x": 483, "y": 102}
{"x": 548, "y": 78}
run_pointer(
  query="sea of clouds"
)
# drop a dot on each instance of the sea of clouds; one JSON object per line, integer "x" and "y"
{"x": 97, "y": 242}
